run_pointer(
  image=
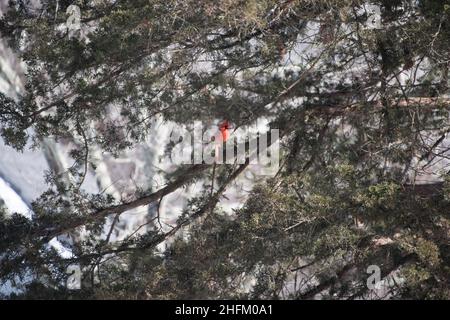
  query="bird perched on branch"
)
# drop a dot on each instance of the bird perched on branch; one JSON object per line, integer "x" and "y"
{"x": 224, "y": 128}
{"x": 221, "y": 138}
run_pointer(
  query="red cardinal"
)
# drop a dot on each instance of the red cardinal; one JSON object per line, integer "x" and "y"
{"x": 224, "y": 127}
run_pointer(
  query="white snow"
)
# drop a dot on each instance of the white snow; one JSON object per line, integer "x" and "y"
{"x": 24, "y": 171}
{"x": 13, "y": 202}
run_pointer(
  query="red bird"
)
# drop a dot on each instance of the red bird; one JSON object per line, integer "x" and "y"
{"x": 224, "y": 127}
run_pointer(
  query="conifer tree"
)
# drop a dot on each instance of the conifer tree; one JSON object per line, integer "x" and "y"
{"x": 358, "y": 89}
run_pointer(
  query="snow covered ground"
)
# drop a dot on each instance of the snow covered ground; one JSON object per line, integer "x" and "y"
{"x": 12, "y": 201}
{"x": 24, "y": 171}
